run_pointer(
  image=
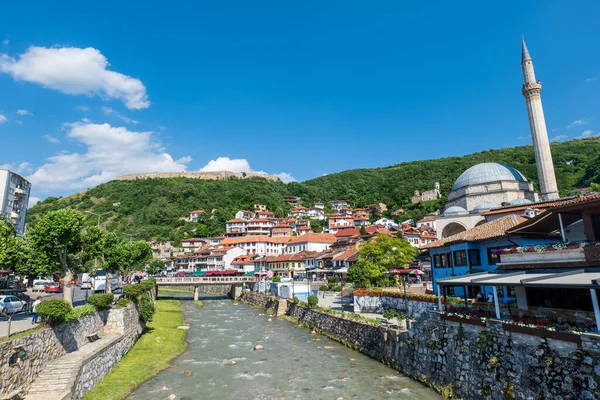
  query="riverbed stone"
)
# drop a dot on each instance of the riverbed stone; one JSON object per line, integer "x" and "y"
{"x": 259, "y": 347}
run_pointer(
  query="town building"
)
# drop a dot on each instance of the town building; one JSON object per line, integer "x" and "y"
{"x": 337, "y": 205}
{"x": 293, "y": 201}
{"x": 260, "y": 226}
{"x": 258, "y": 245}
{"x": 289, "y": 265}
{"x": 245, "y": 214}
{"x": 192, "y": 244}
{"x": 310, "y": 242}
{"x": 196, "y": 216}
{"x": 164, "y": 250}
{"x": 360, "y": 213}
{"x": 220, "y": 259}
{"x": 14, "y": 198}
{"x": 427, "y": 195}
{"x": 428, "y": 222}
{"x": 388, "y": 223}
{"x": 361, "y": 221}
{"x": 264, "y": 215}
{"x": 236, "y": 227}
{"x": 244, "y": 264}
{"x": 260, "y": 207}
{"x": 376, "y": 209}
{"x": 281, "y": 230}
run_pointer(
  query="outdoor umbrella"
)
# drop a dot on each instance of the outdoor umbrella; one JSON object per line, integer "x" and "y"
{"x": 416, "y": 272}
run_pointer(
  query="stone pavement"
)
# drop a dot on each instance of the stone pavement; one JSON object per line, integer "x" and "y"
{"x": 57, "y": 379}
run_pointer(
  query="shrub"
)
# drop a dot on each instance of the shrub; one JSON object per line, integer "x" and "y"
{"x": 123, "y": 302}
{"x": 101, "y": 301}
{"x": 332, "y": 280}
{"x": 323, "y": 288}
{"x": 276, "y": 279}
{"x": 133, "y": 291}
{"x": 336, "y": 288}
{"x": 148, "y": 285}
{"x": 80, "y": 312}
{"x": 53, "y": 310}
{"x": 296, "y": 300}
{"x": 312, "y": 300}
{"x": 389, "y": 314}
{"x": 146, "y": 308}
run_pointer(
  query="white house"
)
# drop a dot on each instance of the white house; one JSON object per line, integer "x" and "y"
{"x": 244, "y": 214}
{"x": 220, "y": 259}
{"x": 260, "y": 226}
{"x": 236, "y": 227}
{"x": 388, "y": 223}
{"x": 196, "y": 215}
{"x": 192, "y": 244}
{"x": 310, "y": 242}
{"x": 428, "y": 221}
{"x": 244, "y": 264}
{"x": 258, "y": 245}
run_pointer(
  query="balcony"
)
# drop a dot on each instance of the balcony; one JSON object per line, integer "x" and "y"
{"x": 543, "y": 254}
{"x": 20, "y": 192}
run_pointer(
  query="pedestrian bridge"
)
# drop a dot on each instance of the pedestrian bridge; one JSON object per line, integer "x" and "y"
{"x": 236, "y": 283}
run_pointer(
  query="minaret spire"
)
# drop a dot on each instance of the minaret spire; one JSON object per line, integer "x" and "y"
{"x": 532, "y": 90}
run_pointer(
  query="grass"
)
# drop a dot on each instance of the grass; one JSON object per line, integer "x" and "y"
{"x": 159, "y": 344}
{"x": 199, "y": 303}
{"x": 20, "y": 334}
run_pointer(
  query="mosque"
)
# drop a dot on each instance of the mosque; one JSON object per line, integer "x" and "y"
{"x": 492, "y": 185}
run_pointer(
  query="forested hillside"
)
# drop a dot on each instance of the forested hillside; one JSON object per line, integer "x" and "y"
{"x": 153, "y": 208}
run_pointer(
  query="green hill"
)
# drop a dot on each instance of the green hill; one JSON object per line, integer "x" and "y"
{"x": 152, "y": 208}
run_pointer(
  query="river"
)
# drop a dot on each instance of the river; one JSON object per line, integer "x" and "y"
{"x": 295, "y": 364}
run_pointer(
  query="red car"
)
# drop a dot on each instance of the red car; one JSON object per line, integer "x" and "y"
{"x": 53, "y": 287}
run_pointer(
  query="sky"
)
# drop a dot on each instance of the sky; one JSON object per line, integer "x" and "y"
{"x": 93, "y": 90}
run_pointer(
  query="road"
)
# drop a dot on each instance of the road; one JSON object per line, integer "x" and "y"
{"x": 22, "y": 321}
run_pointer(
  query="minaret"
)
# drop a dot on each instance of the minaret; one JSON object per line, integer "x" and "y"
{"x": 537, "y": 124}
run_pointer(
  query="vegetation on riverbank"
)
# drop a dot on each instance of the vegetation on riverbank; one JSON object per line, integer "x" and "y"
{"x": 159, "y": 344}
{"x": 199, "y": 303}
{"x": 20, "y": 334}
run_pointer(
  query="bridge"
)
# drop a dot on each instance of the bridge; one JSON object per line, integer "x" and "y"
{"x": 236, "y": 282}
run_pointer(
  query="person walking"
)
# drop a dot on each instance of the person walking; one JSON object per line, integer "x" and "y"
{"x": 35, "y": 319}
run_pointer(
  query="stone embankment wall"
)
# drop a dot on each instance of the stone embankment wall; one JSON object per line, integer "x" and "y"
{"x": 23, "y": 358}
{"x": 483, "y": 361}
{"x": 223, "y": 290}
{"x": 378, "y": 304}
{"x": 274, "y": 304}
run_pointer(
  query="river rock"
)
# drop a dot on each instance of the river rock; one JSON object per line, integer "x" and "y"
{"x": 187, "y": 372}
{"x": 164, "y": 388}
{"x": 231, "y": 363}
{"x": 269, "y": 320}
{"x": 184, "y": 327}
{"x": 171, "y": 397}
{"x": 258, "y": 347}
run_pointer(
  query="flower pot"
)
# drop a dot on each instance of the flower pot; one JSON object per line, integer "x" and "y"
{"x": 526, "y": 330}
{"x": 461, "y": 320}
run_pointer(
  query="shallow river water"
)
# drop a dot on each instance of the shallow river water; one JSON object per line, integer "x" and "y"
{"x": 294, "y": 364}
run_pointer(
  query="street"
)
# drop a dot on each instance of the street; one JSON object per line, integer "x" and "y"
{"x": 22, "y": 321}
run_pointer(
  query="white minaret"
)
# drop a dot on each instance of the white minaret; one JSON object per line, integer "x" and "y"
{"x": 532, "y": 90}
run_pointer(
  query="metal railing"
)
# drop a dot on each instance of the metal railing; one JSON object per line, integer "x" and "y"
{"x": 201, "y": 279}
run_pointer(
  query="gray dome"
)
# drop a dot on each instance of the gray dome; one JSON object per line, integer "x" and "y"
{"x": 520, "y": 202}
{"x": 485, "y": 206}
{"x": 455, "y": 210}
{"x": 486, "y": 173}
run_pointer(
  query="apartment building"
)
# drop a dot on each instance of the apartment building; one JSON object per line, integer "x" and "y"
{"x": 14, "y": 197}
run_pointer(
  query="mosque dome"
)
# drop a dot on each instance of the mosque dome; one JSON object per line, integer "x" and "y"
{"x": 455, "y": 210}
{"x": 486, "y": 173}
{"x": 520, "y": 202}
{"x": 485, "y": 206}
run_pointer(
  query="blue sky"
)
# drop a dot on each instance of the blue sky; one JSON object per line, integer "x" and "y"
{"x": 300, "y": 88}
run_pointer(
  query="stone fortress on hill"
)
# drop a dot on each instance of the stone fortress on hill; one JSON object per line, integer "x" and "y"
{"x": 217, "y": 175}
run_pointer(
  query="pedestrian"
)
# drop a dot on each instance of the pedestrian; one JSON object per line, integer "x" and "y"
{"x": 490, "y": 298}
{"x": 479, "y": 297}
{"x": 35, "y": 319}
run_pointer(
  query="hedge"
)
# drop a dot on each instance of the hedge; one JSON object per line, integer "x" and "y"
{"x": 427, "y": 298}
{"x": 54, "y": 310}
{"x": 146, "y": 308}
{"x": 312, "y": 300}
{"x": 80, "y": 312}
{"x": 101, "y": 301}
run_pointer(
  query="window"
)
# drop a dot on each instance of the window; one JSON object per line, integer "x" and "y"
{"x": 474, "y": 259}
{"x": 460, "y": 258}
{"x": 437, "y": 262}
{"x": 493, "y": 258}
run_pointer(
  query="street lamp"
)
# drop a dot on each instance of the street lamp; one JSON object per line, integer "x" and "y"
{"x": 98, "y": 215}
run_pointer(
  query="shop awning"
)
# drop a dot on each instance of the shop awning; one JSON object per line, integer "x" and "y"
{"x": 580, "y": 278}
{"x": 198, "y": 273}
{"x": 249, "y": 273}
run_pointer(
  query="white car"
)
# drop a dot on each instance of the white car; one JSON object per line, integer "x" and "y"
{"x": 11, "y": 304}
{"x": 39, "y": 285}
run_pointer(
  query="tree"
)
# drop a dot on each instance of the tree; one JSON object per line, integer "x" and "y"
{"x": 57, "y": 239}
{"x": 379, "y": 256}
{"x": 363, "y": 231}
{"x": 155, "y": 267}
{"x": 123, "y": 256}
{"x": 13, "y": 250}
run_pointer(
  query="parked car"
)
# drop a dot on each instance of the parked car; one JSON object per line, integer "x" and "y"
{"x": 11, "y": 304}
{"x": 18, "y": 294}
{"x": 14, "y": 285}
{"x": 39, "y": 285}
{"x": 85, "y": 281}
{"x": 53, "y": 287}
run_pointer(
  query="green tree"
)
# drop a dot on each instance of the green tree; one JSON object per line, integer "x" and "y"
{"x": 155, "y": 267}
{"x": 363, "y": 230}
{"x": 13, "y": 250}
{"x": 123, "y": 256}
{"x": 378, "y": 256}
{"x": 57, "y": 239}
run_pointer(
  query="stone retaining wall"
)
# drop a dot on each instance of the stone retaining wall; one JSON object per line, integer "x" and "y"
{"x": 22, "y": 359}
{"x": 468, "y": 360}
{"x": 274, "y": 304}
{"x": 378, "y": 304}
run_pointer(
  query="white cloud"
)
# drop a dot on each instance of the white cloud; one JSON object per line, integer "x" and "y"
{"x": 577, "y": 122}
{"x": 21, "y": 168}
{"x": 240, "y": 165}
{"x": 523, "y": 137}
{"x": 111, "y": 151}
{"x": 22, "y": 112}
{"x": 82, "y": 108}
{"x": 591, "y": 79}
{"x": 109, "y": 111}
{"x": 51, "y": 139}
{"x": 558, "y": 138}
{"x": 33, "y": 201}
{"x": 3, "y": 119}
{"x": 586, "y": 134}
{"x": 286, "y": 177}
{"x": 75, "y": 71}
{"x": 6, "y": 42}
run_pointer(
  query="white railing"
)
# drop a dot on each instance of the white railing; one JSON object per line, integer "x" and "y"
{"x": 183, "y": 280}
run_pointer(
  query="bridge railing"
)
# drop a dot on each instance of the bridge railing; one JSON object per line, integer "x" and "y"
{"x": 182, "y": 280}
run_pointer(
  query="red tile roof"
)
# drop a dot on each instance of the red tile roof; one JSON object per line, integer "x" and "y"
{"x": 314, "y": 238}
{"x": 236, "y": 220}
{"x": 542, "y": 205}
